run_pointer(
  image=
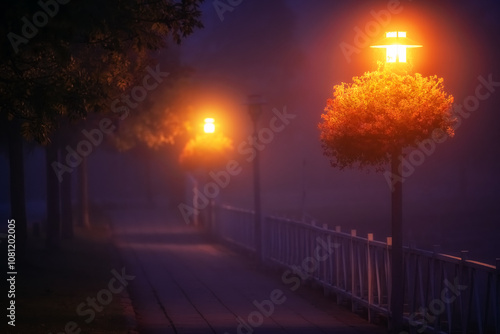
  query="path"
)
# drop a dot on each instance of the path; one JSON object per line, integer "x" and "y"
{"x": 186, "y": 284}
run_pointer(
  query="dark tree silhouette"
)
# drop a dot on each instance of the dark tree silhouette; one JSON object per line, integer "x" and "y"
{"x": 74, "y": 61}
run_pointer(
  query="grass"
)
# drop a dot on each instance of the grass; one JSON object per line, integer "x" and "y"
{"x": 50, "y": 286}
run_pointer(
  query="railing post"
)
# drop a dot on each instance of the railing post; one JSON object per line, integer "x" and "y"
{"x": 435, "y": 277}
{"x": 496, "y": 309}
{"x": 337, "y": 264}
{"x": 388, "y": 272}
{"x": 462, "y": 273}
{"x": 464, "y": 254}
{"x": 326, "y": 267}
{"x": 369, "y": 273}
{"x": 353, "y": 270}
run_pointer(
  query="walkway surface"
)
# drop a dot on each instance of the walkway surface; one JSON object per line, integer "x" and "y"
{"x": 186, "y": 284}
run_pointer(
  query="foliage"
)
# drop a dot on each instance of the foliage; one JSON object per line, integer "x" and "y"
{"x": 382, "y": 112}
{"x": 153, "y": 129}
{"x": 206, "y": 151}
{"x": 85, "y": 55}
{"x": 162, "y": 118}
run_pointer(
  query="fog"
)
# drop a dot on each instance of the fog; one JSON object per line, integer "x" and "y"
{"x": 290, "y": 53}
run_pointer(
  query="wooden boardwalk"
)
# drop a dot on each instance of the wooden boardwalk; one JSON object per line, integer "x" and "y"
{"x": 186, "y": 284}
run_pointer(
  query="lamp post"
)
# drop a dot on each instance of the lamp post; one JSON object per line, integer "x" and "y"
{"x": 209, "y": 129}
{"x": 255, "y": 103}
{"x": 396, "y": 44}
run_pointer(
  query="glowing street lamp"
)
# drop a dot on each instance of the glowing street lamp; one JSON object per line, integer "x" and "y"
{"x": 209, "y": 126}
{"x": 395, "y": 44}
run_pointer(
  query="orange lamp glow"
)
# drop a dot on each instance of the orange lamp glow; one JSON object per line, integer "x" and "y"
{"x": 395, "y": 44}
{"x": 209, "y": 126}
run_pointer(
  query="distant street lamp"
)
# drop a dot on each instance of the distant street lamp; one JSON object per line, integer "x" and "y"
{"x": 209, "y": 130}
{"x": 255, "y": 103}
{"x": 209, "y": 149}
{"x": 209, "y": 126}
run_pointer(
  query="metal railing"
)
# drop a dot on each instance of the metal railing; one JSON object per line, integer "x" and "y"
{"x": 240, "y": 234}
{"x": 443, "y": 293}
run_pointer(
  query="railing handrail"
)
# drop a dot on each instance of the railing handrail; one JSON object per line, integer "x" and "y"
{"x": 441, "y": 256}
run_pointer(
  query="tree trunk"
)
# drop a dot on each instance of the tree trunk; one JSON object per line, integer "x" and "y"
{"x": 53, "y": 197}
{"x": 397, "y": 273}
{"x": 17, "y": 191}
{"x": 66, "y": 208}
{"x": 176, "y": 190}
{"x": 83, "y": 195}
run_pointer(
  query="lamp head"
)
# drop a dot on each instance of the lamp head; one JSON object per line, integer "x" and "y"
{"x": 209, "y": 126}
{"x": 395, "y": 44}
{"x": 255, "y": 103}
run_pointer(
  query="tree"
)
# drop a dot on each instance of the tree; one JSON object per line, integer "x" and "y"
{"x": 62, "y": 61}
{"x": 86, "y": 54}
{"x": 159, "y": 123}
{"x": 161, "y": 119}
{"x": 370, "y": 122}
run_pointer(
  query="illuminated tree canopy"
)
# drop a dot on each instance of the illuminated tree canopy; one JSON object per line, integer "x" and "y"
{"x": 206, "y": 151}
{"x": 383, "y": 112}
